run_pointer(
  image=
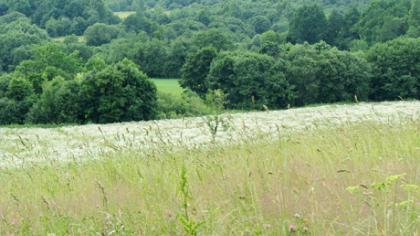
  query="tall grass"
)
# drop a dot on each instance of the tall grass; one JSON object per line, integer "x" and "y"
{"x": 359, "y": 179}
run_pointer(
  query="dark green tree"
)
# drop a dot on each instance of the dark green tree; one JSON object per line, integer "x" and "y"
{"x": 118, "y": 93}
{"x": 49, "y": 61}
{"x": 151, "y": 56}
{"x": 99, "y": 34}
{"x": 334, "y": 32}
{"x": 212, "y": 38}
{"x": 17, "y": 33}
{"x": 322, "y": 74}
{"x": 261, "y": 24}
{"x": 396, "y": 69}
{"x": 308, "y": 25}
{"x": 271, "y": 43}
{"x": 196, "y": 69}
{"x": 414, "y": 19}
{"x": 249, "y": 81}
{"x": 138, "y": 22}
{"x": 58, "y": 27}
{"x": 16, "y": 101}
{"x": 384, "y": 20}
{"x": 59, "y": 103}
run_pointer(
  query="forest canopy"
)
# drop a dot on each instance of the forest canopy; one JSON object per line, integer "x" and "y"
{"x": 81, "y": 61}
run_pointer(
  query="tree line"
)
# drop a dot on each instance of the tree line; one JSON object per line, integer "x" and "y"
{"x": 304, "y": 74}
{"x": 250, "y": 54}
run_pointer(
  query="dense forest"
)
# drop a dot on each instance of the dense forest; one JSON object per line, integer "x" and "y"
{"x": 82, "y": 61}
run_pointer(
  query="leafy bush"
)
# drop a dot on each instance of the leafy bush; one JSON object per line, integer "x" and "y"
{"x": 189, "y": 104}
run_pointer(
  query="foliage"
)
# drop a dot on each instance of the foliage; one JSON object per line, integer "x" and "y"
{"x": 138, "y": 22}
{"x": 151, "y": 56}
{"x": 16, "y": 34}
{"x": 414, "y": 19}
{"x": 59, "y": 103}
{"x": 249, "y": 80}
{"x": 396, "y": 69}
{"x": 63, "y": 17}
{"x": 16, "y": 101}
{"x": 119, "y": 92}
{"x": 189, "y": 104}
{"x": 196, "y": 69}
{"x": 308, "y": 25}
{"x": 47, "y": 62}
{"x": 99, "y": 34}
{"x": 322, "y": 74}
{"x": 244, "y": 41}
{"x": 384, "y": 20}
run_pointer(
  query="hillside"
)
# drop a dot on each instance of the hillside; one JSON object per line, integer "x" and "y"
{"x": 327, "y": 170}
{"x": 95, "y": 141}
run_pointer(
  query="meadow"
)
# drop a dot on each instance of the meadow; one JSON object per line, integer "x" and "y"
{"x": 328, "y": 170}
{"x": 168, "y": 86}
{"x": 124, "y": 14}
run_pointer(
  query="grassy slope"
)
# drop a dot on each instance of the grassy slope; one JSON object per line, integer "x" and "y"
{"x": 61, "y": 39}
{"x": 299, "y": 183}
{"x": 170, "y": 86}
{"x": 124, "y": 14}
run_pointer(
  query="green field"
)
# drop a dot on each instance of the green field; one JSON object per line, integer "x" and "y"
{"x": 124, "y": 14}
{"x": 81, "y": 39}
{"x": 170, "y": 86}
{"x": 352, "y": 180}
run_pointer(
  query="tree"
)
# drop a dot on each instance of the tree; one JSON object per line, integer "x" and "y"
{"x": 47, "y": 62}
{"x": 322, "y": 74}
{"x": 212, "y": 38}
{"x": 3, "y": 9}
{"x": 59, "y": 103}
{"x": 151, "y": 56}
{"x": 383, "y": 20}
{"x": 308, "y": 25}
{"x": 196, "y": 69}
{"x": 204, "y": 17}
{"x": 138, "y": 22}
{"x": 261, "y": 24}
{"x": 349, "y": 30}
{"x": 16, "y": 100}
{"x": 77, "y": 14}
{"x": 333, "y": 34}
{"x": 177, "y": 55}
{"x": 271, "y": 43}
{"x": 58, "y": 27}
{"x": 396, "y": 69}
{"x": 17, "y": 33}
{"x": 249, "y": 81}
{"x": 100, "y": 33}
{"x": 414, "y": 19}
{"x": 118, "y": 93}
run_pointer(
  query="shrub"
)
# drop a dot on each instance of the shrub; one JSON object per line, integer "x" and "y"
{"x": 189, "y": 104}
